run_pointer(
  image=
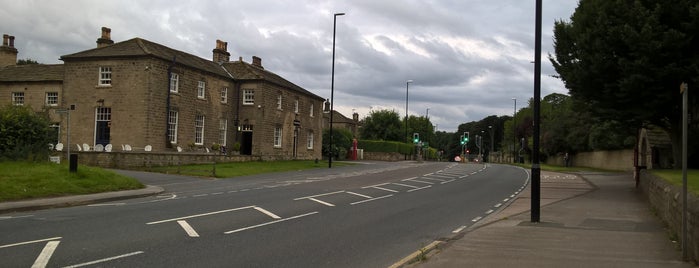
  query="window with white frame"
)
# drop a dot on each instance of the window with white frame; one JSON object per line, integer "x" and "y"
{"x": 52, "y": 98}
{"x": 279, "y": 102}
{"x": 309, "y": 140}
{"x": 278, "y": 137}
{"x": 224, "y": 95}
{"x": 174, "y": 82}
{"x": 199, "y": 130}
{"x": 311, "y": 109}
{"x": 172, "y": 126}
{"x": 296, "y": 106}
{"x": 248, "y": 97}
{"x": 18, "y": 98}
{"x": 201, "y": 90}
{"x": 105, "y": 78}
{"x": 222, "y": 131}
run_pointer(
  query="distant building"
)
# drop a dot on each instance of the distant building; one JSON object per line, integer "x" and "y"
{"x": 140, "y": 93}
{"x": 341, "y": 121}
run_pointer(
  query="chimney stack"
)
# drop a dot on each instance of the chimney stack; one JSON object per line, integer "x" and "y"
{"x": 221, "y": 52}
{"x": 106, "y": 38}
{"x": 257, "y": 62}
{"x": 8, "y": 52}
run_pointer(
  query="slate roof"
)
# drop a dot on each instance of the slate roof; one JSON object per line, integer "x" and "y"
{"x": 32, "y": 73}
{"x": 138, "y": 47}
{"x": 245, "y": 71}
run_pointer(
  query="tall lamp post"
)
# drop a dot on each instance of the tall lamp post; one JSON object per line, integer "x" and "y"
{"x": 514, "y": 130}
{"x": 332, "y": 92}
{"x": 407, "y": 84}
{"x": 536, "y": 168}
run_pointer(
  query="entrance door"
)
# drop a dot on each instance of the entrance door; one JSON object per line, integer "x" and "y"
{"x": 103, "y": 123}
{"x": 246, "y": 143}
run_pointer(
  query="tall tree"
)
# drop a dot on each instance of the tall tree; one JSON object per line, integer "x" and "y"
{"x": 625, "y": 60}
{"x": 382, "y": 125}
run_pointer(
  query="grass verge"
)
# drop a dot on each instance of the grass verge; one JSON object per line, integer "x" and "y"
{"x": 674, "y": 176}
{"x": 236, "y": 169}
{"x": 22, "y": 180}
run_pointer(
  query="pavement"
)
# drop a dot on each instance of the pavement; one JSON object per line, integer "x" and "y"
{"x": 586, "y": 220}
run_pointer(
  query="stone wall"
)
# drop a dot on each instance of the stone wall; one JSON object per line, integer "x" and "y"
{"x": 666, "y": 200}
{"x": 621, "y": 160}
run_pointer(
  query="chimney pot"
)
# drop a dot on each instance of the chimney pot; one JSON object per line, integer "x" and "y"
{"x": 257, "y": 61}
{"x": 220, "y": 52}
{"x": 12, "y": 41}
{"x": 5, "y": 37}
{"x": 106, "y": 38}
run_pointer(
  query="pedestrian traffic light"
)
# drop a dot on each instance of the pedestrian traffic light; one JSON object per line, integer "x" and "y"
{"x": 466, "y": 136}
{"x": 416, "y": 137}
{"x": 461, "y": 139}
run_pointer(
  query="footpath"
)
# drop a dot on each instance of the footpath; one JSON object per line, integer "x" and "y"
{"x": 587, "y": 220}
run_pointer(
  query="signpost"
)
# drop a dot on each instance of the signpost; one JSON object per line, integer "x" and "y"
{"x": 683, "y": 90}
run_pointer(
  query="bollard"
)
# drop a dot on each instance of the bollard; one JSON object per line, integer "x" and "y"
{"x": 73, "y": 164}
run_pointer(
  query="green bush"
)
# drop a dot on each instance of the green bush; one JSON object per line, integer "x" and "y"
{"x": 24, "y": 134}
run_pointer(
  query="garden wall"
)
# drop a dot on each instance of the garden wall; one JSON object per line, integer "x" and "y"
{"x": 621, "y": 160}
{"x": 666, "y": 200}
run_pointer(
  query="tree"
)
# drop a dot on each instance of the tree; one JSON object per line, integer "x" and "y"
{"x": 382, "y": 125}
{"x": 24, "y": 134}
{"x": 26, "y": 61}
{"x": 421, "y": 125}
{"x": 342, "y": 141}
{"x": 624, "y": 60}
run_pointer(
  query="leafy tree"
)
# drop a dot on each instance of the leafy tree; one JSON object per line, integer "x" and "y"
{"x": 422, "y": 126}
{"x": 26, "y": 61}
{"x": 382, "y": 125}
{"x": 24, "y": 134}
{"x": 624, "y": 60}
{"x": 342, "y": 141}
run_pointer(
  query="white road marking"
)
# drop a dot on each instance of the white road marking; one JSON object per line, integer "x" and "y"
{"x": 218, "y": 193}
{"x": 358, "y": 194}
{"x": 380, "y": 188}
{"x": 405, "y": 185}
{"x": 372, "y": 199}
{"x": 318, "y": 195}
{"x": 105, "y": 259}
{"x": 489, "y": 211}
{"x": 459, "y": 229}
{"x": 419, "y": 188}
{"x": 14, "y": 217}
{"x": 274, "y": 216}
{"x": 188, "y": 228}
{"x": 106, "y": 204}
{"x": 31, "y": 242}
{"x": 419, "y": 181}
{"x": 447, "y": 181}
{"x": 505, "y": 200}
{"x": 440, "y": 176}
{"x": 200, "y": 215}
{"x": 434, "y": 179}
{"x": 320, "y": 201}
{"x": 477, "y": 219}
{"x": 271, "y": 222}
{"x": 45, "y": 255}
{"x": 199, "y": 195}
{"x": 513, "y": 195}
{"x": 498, "y": 205}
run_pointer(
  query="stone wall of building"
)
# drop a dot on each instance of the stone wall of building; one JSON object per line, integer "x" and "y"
{"x": 666, "y": 200}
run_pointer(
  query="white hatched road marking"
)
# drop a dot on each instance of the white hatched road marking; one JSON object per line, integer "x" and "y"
{"x": 372, "y": 199}
{"x": 444, "y": 182}
{"x": 380, "y": 188}
{"x": 274, "y": 216}
{"x": 358, "y": 194}
{"x": 439, "y": 176}
{"x": 188, "y": 228}
{"x": 105, "y": 259}
{"x": 45, "y": 255}
{"x": 200, "y": 215}
{"x": 433, "y": 179}
{"x": 31, "y": 242}
{"x": 271, "y": 222}
{"x": 318, "y": 195}
{"x": 419, "y": 188}
{"x": 418, "y": 181}
{"x": 320, "y": 201}
{"x": 406, "y": 185}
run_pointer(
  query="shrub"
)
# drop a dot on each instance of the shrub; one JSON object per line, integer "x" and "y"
{"x": 24, "y": 134}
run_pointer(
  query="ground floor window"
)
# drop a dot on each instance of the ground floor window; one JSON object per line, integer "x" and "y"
{"x": 222, "y": 131}
{"x": 172, "y": 119}
{"x": 199, "y": 130}
{"x": 309, "y": 140}
{"x": 278, "y": 137}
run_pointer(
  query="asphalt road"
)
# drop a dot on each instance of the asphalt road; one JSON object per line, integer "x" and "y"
{"x": 367, "y": 215}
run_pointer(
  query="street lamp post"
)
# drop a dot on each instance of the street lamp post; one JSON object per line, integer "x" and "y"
{"x": 407, "y": 84}
{"x": 332, "y": 92}
{"x": 514, "y": 130}
{"x": 492, "y": 143}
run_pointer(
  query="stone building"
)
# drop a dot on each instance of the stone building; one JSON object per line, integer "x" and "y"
{"x": 141, "y": 93}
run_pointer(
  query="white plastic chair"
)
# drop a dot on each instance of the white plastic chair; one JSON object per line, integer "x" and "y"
{"x": 108, "y": 148}
{"x": 99, "y": 148}
{"x": 86, "y": 147}
{"x": 148, "y": 148}
{"x": 80, "y": 148}
{"x": 51, "y": 146}
{"x": 127, "y": 147}
{"x": 207, "y": 150}
{"x": 179, "y": 149}
{"x": 59, "y": 147}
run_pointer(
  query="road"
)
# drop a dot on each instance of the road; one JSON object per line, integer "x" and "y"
{"x": 366, "y": 215}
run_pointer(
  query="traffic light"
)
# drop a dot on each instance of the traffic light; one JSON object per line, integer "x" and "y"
{"x": 466, "y": 134}
{"x": 416, "y": 137}
{"x": 461, "y": 139}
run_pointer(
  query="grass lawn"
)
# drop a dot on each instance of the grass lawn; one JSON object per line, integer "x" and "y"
{"x": 674, "y": 176}
{"x": 22, "y": 180}
{"x": 235, "y": 169}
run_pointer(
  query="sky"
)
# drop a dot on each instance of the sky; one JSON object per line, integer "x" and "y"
{"x": 467, "y": 59}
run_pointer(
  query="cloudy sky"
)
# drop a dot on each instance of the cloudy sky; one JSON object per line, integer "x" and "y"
{"x": 467, "y": 58}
